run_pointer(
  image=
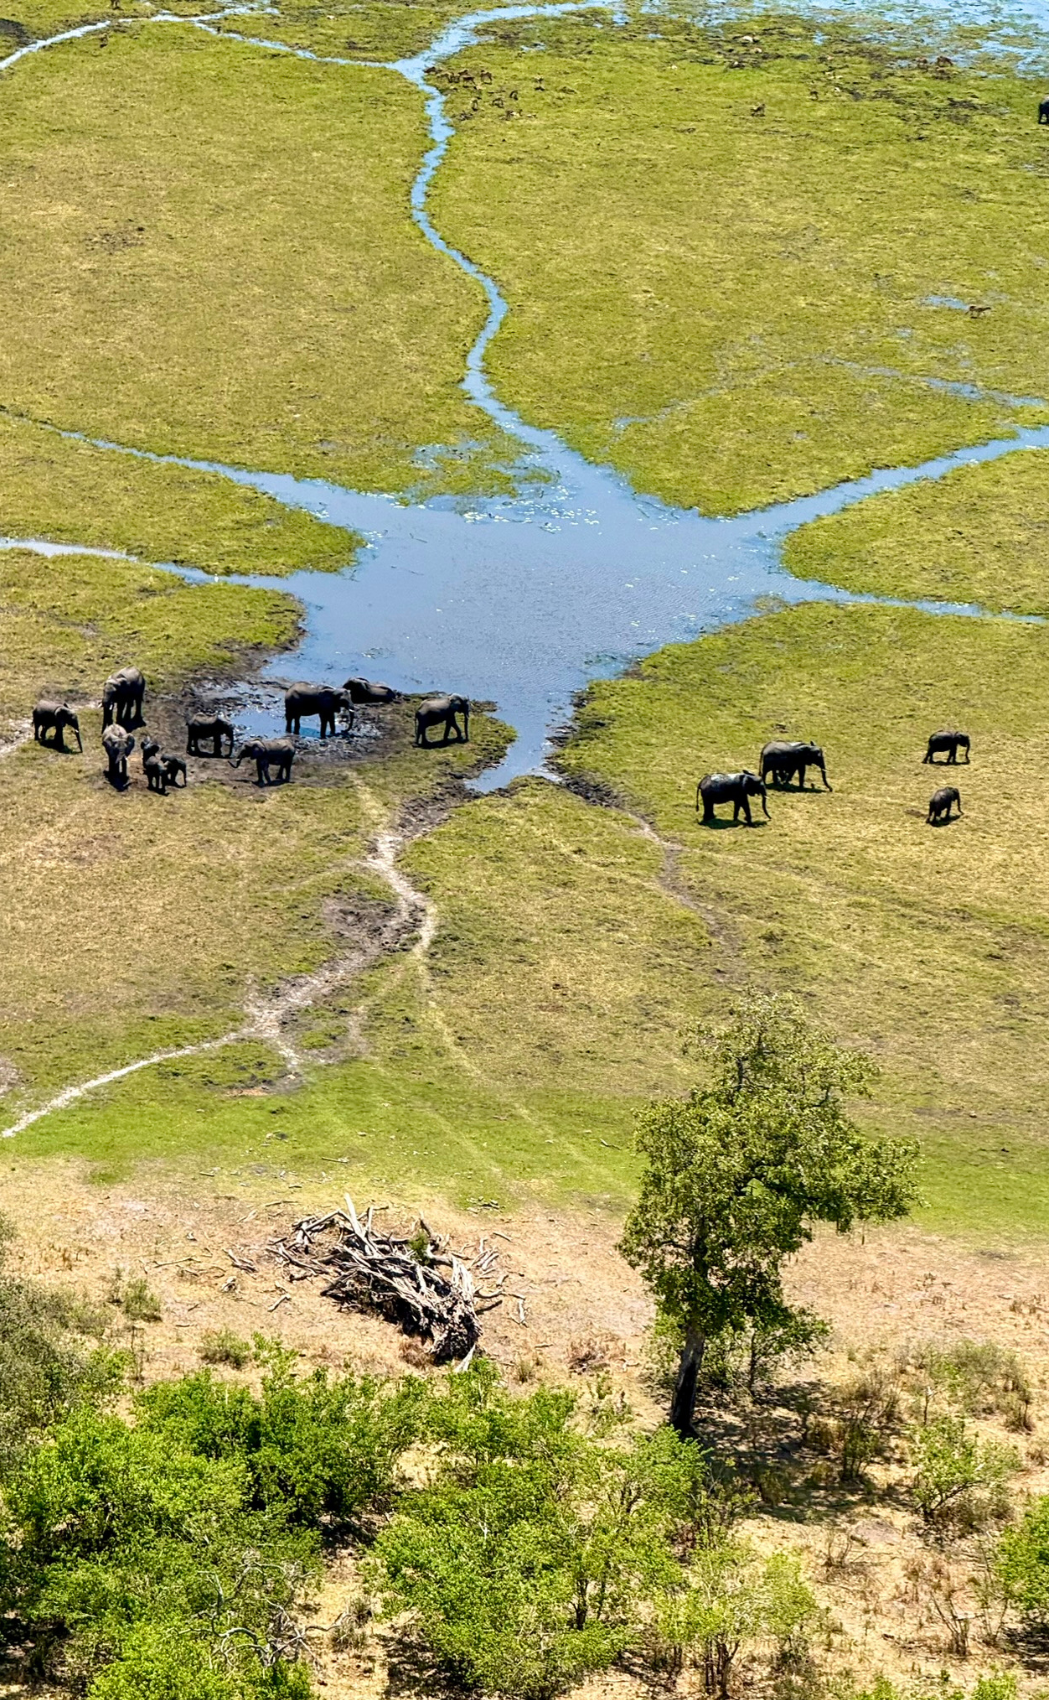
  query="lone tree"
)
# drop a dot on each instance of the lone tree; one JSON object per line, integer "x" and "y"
{"x": 738, "y": 1173}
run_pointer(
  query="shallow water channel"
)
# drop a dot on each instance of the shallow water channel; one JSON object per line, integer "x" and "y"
{"x": 521, "y": 601}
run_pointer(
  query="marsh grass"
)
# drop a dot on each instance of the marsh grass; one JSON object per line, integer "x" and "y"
{"x": 67, "y": 491}
{"x": 216, "y": 259}
{"x": 978, "y": 535}
{"x": 738, "y": 291}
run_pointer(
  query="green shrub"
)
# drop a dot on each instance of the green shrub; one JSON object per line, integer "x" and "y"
{"x": 978, "y": 1376}
{"x": 959, "y": 1479}
{"x": 140, "y": 1303}
{"x": 1021, "y": 1563}
{"x": 313, "y": 1448}
{"x": 732, "y": 1599}
{"x": 222, "y": 1346}
{"x": 531, "y": 1557}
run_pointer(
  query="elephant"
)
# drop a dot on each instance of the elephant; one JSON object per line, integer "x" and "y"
{"x": 367, "y": 691}
{"x": 173, "y": 766}
{"x": 118, "y": 745}
{"x": 301, "y": 701}
{"x": 55, "y": 717}
{"x": 155, "y": 772}
{"x": 438, "y": 711}
{"x": 267, "y": 753}
{"x": 948, "y": 742}
{"x": 122, "y": 698}
{"x": 734, "y": 788}
{"x": 201, "y": 728}
{"x": 783, "y": 761}
{"x": 1043, "y": 111}
{"x": 940, "y": 804}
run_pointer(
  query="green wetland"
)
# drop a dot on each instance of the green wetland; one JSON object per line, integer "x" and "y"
{"x": 221, "y": 251}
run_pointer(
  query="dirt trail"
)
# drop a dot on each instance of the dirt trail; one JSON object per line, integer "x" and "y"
{"x": 268, "y": 1016}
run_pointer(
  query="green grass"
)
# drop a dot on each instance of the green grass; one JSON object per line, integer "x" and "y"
{"x": 928, "y": 948}
{"x": 69, "y": 492}
{"x": 216, "y": 259}
{"x": 66, "y": 623}
{"x": 734, "y": 306}
{"x": 978, "y": 535}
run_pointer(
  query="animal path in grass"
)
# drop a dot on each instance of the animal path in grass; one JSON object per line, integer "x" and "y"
{"x": 269, "y": 1015}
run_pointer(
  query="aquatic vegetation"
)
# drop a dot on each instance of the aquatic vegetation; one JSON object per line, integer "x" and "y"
{"x": 977, "y": 535}
{"x": 740, "y": 263}
{"x": 216, "y": 260}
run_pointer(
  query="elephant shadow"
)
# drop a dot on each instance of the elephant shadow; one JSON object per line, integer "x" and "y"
{"x": 117, "y": 783}
{"x": 719, "y": 824}
{"x": 944, "y": 821}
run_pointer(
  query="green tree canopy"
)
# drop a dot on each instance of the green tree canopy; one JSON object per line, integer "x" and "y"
{"x": 738, "y": 1173}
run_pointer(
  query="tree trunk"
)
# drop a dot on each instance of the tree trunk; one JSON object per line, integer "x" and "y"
{"x": 683, "y": 1406}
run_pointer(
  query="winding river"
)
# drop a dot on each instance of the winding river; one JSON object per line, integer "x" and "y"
{"x": 520, "y": 601}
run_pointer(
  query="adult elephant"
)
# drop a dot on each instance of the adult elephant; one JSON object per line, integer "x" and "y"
{"x": 947, "y": 743}
{"x": 941, "y": 803}
{"x": 267, "y": 754}
{"x": 443, "y": 711}
{"x": 55, "y": 717}
{"x": 370, "y": 692}
{"x": 1043, "y": 111}
{"x": 302, "y": 701}
{"x": 122, "y": 697}
{"x": 787, "y": 761}
{"x": 203, "y": 729}
{"x": 734, "y": 788}
{"x": 118, "y": 745}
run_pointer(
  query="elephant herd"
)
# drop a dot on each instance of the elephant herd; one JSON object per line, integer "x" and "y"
{"x": 786, "y": 763}
{"x": 123, "y": 698}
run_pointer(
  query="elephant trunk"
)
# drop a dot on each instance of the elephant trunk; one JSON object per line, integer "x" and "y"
{"x": 826, "y": 781}
{"x": 764, "y": 800}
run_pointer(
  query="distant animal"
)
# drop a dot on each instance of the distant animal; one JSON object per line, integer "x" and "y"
{"x": 734, "y": 788}
{"x": 947, "y": 743}
{"x": 368, "y": 691}
{"x": 157, "y": 764}
{"x": 173, "y": 766}
{"x": 785, "y": 761}
{"x": 55, "y": 717}
{"x": 122, "y": 696}
{"x": 443, "y": 711}
{"x": 118, "y": 744}
{"x": 268, "y": 753}
{"x": 941, "y": 803}
{"x": 149, "y": 747}
{"x": 302, "y": 701}
{"x": 1043, "y": 111}
{"x": 204, "y": 727}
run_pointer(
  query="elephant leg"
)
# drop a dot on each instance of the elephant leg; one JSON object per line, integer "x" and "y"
{"x": 708, "y": 813}
{"x": 746, "y": 810}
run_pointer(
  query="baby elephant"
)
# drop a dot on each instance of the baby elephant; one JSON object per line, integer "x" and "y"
{"x": 940, "y": 804}
{"x": 160, "y": 769}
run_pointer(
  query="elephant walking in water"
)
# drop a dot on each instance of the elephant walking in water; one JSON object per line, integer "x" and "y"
{"x": 940, "y": 804}
{"x": 948, "y": 744}
{"x": 55, "y": 717}
{"x": 734, "y": 788}
{"x": 118, "y": 745}
{"x": 203, "y": 728}
{"x": 122, "y": 697}
{"x": 302, "y": 701}
{"x": 785, "y": 761}
{"x": 442, "y": 711}
{"x": 268, "y": 753}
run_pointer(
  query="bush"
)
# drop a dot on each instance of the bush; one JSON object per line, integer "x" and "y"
{"x": 313, "y": 1448}
{"x": 533, "y": 1555}
{"x": 140, "y": 1303}
{"x": 958, "y": 1479}
{"x": 978, "y": 1376}
{"x": 222, "y": 1346}
{"x": 733, "y": 1599}
{"x": 1021, "y": 1563}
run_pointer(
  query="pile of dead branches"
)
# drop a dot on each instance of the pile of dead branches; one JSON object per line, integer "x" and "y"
{"x": 415, "y": 1281}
